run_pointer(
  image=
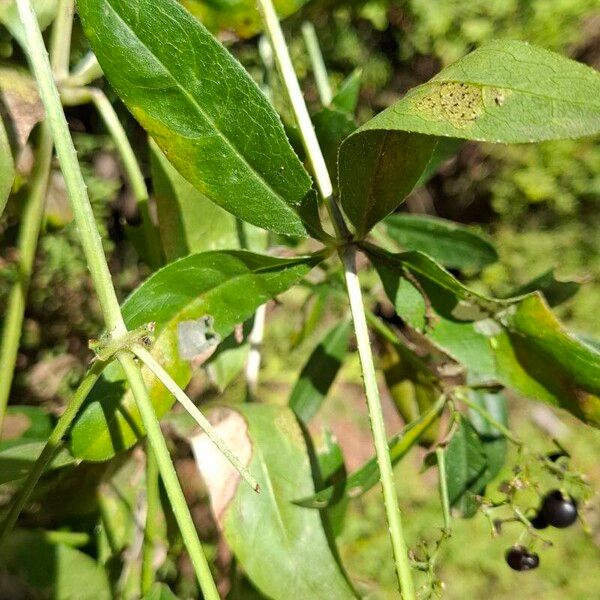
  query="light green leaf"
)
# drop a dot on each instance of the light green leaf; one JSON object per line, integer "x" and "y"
{"x": 160, "y": 591}
{"x": 201, "y": 107}
{"x": 504, "y": 92}
{"x": 238, "y": 16}
{"x": 319, "y": 372}
{"x": 451, "y": 244}
{"x": 281, "y": 546}
{"x": 555, "y": 291}
{"x": 54, "y": 570}
{"x": 517, "y": 342}
{"x": 225, "y": 285}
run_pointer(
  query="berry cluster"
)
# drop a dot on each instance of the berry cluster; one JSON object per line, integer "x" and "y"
{"x": 556, "y": 510}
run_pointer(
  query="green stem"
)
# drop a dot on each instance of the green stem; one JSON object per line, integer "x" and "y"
{"x": 296, "y": 99}
{"x": 169, "y": 477}
{"x": 390, "y": 498}
{"x": 318, "y": 64}
{"x": 194, "y": 412}
{"x": 152, "y": 516}
{"x": 440, "y": 454}
{"x": 98, "y": 267}
{"x": 31, "y": 218}
{"x": 50, "y": 449}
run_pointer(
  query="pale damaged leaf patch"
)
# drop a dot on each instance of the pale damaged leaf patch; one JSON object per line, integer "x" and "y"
{"x": 221, "y": 478}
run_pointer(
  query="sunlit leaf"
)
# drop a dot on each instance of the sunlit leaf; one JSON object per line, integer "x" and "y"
{"x": 225, "y": 285}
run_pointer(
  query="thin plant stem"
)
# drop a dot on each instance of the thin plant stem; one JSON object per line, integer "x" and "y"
{"x": 255, "y": 340}
{"x": 50, "y": 449}
{"x": 296, "y": 99}
{"x": 505, "y": 431}
{"x": 440, "y": 455}
{"x": 152, "y": 516}
{"x": 348, "y": 257}
{"x": 162, "y": 375}
{"x": 98, "y": 267}
{"x": 168, "y": 475}
{"x": 318, "y": 64}
{"x": 390, "y": 498}
{"x": 128, "y": 159}
{"x": 84, "y": 72}
{"x": 32, "y": 215}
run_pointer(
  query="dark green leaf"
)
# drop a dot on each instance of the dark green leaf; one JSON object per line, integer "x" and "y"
{"x": 227, "y": 285}
{"x": 320, "y": 371}
{"x": 201, "y": 107}
{"x": 465, "y": 463}
{"x": 332, "y": 126}
{"x": 504, "y": 92}
{"x": 347, "y": 94}
{"x": 363, "y": 479}
{"x": 281, "y": 546}
{"x": 517, "y": 342}
{"x": 555, "y": 291}
{"x": 451, "y": 244}
{"x": 53, "y": 569}
{"x": 445, "y": 149}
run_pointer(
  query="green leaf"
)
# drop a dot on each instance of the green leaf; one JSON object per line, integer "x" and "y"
{"x": 54, "y": 570}
{"x": 517, "y": 342}
{"x": 554, "y": 290}
{"x": 226, "y": 285}
{"x": 465, "y": 463}
{"x": 201, "y": 107}
{"x": 238, "y": 16}
{"x": 347, "y": 95}
{"x": 16, "y": 460}
{"x": 445, "y": 149}
{"x": 451, "y": 244}
{"x": 281, "y": 546}
{"x": 503, "y": 92}
{"x": 7, "y": 168}
{"x": 189, "y": 222}
{"x": 319, "y": 372}
{"x": 24, "y": 423}
{"x": 364, "y": 478}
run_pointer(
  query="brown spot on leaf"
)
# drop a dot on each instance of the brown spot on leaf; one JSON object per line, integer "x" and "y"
{"x": 456, "y": 102}
{"x": 14, "y": 426}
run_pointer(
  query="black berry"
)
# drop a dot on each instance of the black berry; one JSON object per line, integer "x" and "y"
{"x": 558, "y": 510}
{"x": 539, "y": 522}
{"x": 519, "y": 558}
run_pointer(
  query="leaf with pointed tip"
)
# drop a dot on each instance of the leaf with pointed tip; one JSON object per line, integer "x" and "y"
{"x": 517, "y": 342}
{"x": 347, "y": 95}
{"x": 451, "y": 244}
{"x": 281, "y": 546}
{"x": 227, "y": 285}
{"x": 503, "y": 92}
{"x": 555, "y": 291}
{"x": 202, "y": 108}
{"x": 319, "y": 372}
